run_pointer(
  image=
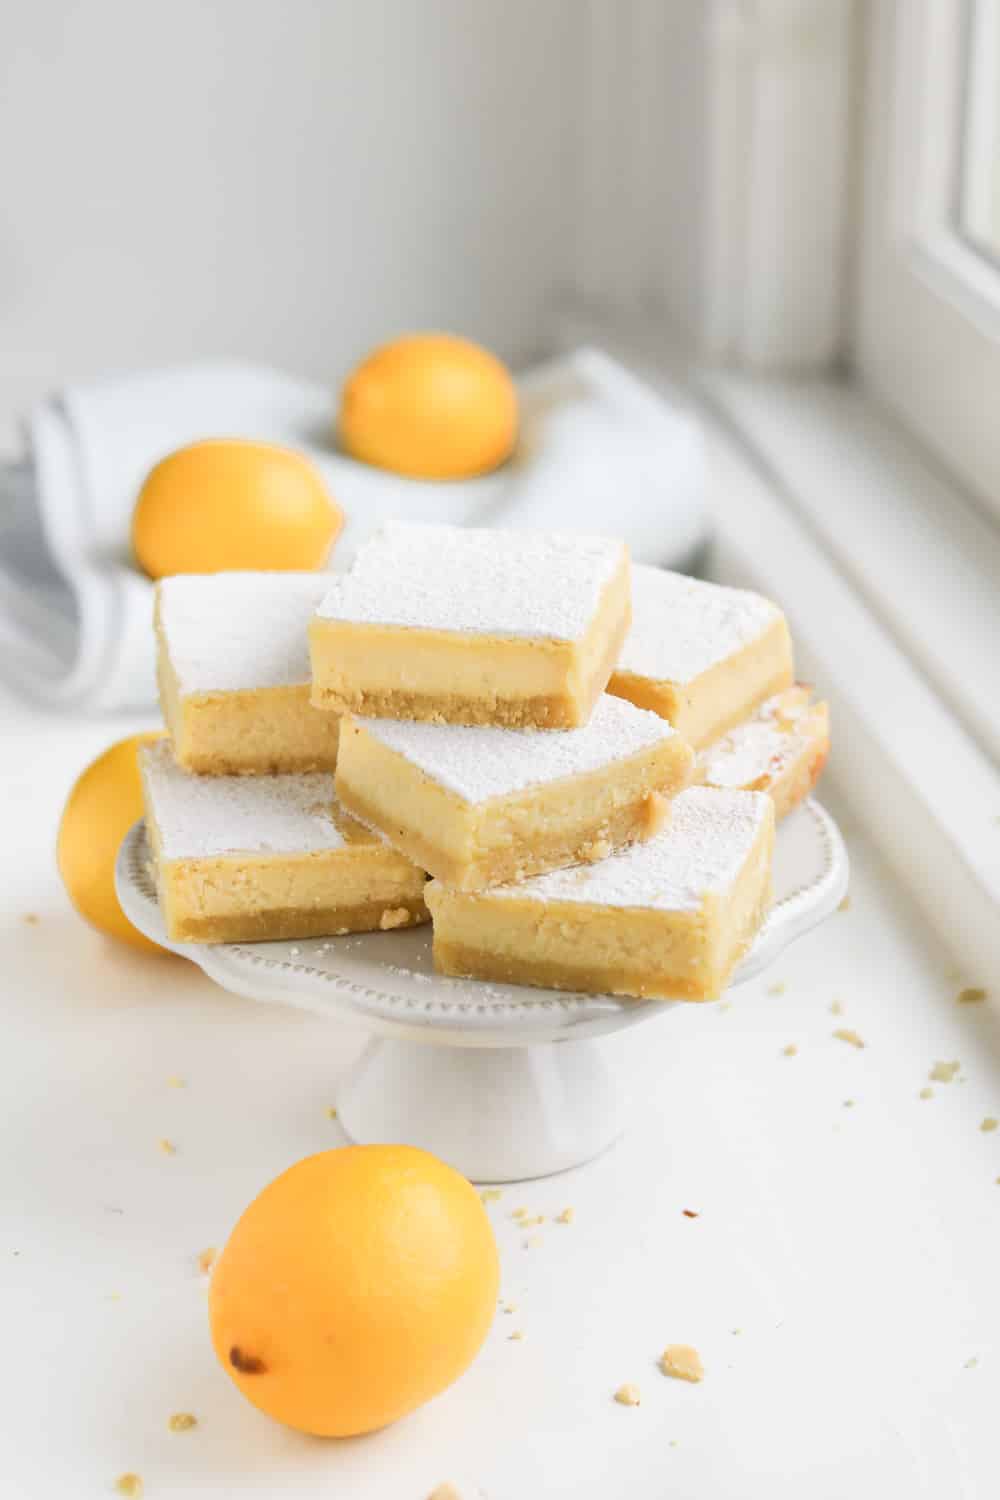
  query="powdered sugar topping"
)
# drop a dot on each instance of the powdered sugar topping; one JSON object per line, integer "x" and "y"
{"x": 782, "y": 729}
{"x": 201, "y": 816}
{"x": 482, "y": 762}
{"x": 234, "y": 632}
{"x": 510, "y": 583}
{"x": 682, "y": 626}
{"x": 748, "y": 753}
{"x": 702, "y": 849}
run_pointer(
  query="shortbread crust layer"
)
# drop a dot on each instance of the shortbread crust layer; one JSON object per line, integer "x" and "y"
{"x": 286, "y": 924}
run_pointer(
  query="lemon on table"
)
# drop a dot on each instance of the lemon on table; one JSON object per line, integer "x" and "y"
{"x": 228, "y": 503}
{"x": 104, "y": 803}
{"x": 432, "y": 406}
{"x": 359, "y": 1284}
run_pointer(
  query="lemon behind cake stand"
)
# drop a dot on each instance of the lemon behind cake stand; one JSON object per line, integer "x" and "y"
{"x": 503, "y": 1082}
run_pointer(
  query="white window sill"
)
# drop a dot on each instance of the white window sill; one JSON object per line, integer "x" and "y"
{"x": 924, "y": 561}
{"x": 890, "y": 590}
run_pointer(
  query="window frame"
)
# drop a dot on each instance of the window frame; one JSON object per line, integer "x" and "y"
{"x": 928, "y": 302}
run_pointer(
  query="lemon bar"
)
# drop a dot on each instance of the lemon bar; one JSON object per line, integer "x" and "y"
{"x": 460, "y": 626}
{"x": 701, "y": 655}
{"x": 781, "y": 750}
{"x": 478, "y": 806}
{"x": 233, "y": 669}
{"x": 249, "y": 858}
{"x": 667, "y": 919}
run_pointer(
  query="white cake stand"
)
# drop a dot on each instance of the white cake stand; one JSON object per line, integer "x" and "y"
{"x": 501, "y": 1081}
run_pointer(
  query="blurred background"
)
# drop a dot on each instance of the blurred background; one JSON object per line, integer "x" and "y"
{"x": 286, "y": 183}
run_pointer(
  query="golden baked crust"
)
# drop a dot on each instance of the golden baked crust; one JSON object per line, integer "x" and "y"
{"x": 288, "y": 923}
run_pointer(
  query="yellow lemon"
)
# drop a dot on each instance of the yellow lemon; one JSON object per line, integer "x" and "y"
{"x": 432, "y": 406}
{"x": 104, "y": 803}
{"x": 227, "y": 503}
{"x": 358, "y": 1285}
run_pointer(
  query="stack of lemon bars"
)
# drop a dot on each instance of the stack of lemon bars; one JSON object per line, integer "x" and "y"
{"x": 571, "y": 765}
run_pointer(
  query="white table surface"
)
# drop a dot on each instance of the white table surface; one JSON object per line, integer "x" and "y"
{"x": 855, "y": 1248}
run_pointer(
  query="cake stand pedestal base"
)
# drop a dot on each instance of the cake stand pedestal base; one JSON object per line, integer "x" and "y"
{"x": 496, "y": 1114}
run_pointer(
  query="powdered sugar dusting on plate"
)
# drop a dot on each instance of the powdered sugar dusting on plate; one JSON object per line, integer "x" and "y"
{"x": 201, "y": 816}
{"x": 233, "y": 632}
{"x": 682, "y": 626}
{"x": 511, "y": 583}
{"x": 702, "y": 849}
{"x": 482, "y": 762}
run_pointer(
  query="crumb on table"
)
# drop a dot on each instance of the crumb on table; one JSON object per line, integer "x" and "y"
{"x": 836, "y": 1007}
{"x": 445, "y": 1492}
{"x": 490, "y": 1195}
{"x": 988, "y": 1124}
{"x": 167, "y": 1147}
{"x": 926, "y": 1092}
{"x": 396, "y": 916}
{"x": 973, "y": 995}
{"x": 789, "y": 1050}
{"x": 129, "y": 1484}
{"x": 32, "y": 918}
{"x": 778, "y": 988}
{"x": 627, "y": 1395}
{"x": 682, "y": 1362}
{"x": 207, "y": 1258}
{"x": 173, "y": 1082}
{"x": 943, "y": 1072}
{"x": 331, "y": 1112}
{"x": 182, "y": 1421}
{"x": 517, "y": 1336}
{"x": 845, "y": 1034}
{"x": 566, "y": 1217}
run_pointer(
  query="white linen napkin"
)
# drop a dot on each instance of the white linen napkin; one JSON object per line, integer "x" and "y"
{"x": 598, "y": 452}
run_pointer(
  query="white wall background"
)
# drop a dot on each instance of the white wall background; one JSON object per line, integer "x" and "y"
{"x": 288, "y": 180}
